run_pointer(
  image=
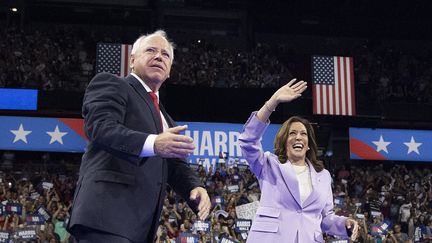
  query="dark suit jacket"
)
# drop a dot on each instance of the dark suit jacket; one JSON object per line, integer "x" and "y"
{"x": 117, "y": 191}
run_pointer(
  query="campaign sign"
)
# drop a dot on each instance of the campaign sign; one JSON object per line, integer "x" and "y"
{"x": 225, "y": 239}
{"x": 247, "y": 211}
{"x": 4, "y": 236}
{"x": 251, "y": 186}
{"x": 11, "y": 208}
{"x": 244, "y": 235}
{"x": 47, "y": 185}
{"x": 34, "y": 195}
{"x": 386, "y": 225}
{"x": 243, "y": 167}
{"x": 233, "y": 188}
{"x": 26, "y": 234}
{"x": 235, "y": 178}
{"x": 42, "y": 211}
{"x": 242, "y": 225}
{"x": 339, "y": 201}
{"x": 202, "y": 226}
{"x": 35, "y": 219}
{"x": 187, "y": 238}
{"x": 375, "y": 230}
{"x": 375, "y": 213}
{"x": 218, "y": 200}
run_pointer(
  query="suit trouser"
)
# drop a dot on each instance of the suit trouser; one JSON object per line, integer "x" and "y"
{"x": 84, "y": 234}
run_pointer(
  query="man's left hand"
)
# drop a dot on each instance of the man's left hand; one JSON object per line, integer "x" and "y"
{"x": 204, "y": 205}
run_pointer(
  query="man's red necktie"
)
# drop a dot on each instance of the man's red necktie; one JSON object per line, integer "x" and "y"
{"x": 156, "y": 103}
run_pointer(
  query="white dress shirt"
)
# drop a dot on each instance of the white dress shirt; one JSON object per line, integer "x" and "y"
{"x": 148, "y": 147}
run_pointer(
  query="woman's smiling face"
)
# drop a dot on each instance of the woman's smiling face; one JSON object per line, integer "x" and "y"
{"x": 297, "y": 144}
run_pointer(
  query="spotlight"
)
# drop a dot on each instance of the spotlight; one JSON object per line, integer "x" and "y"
{"x": 329, "y": 153}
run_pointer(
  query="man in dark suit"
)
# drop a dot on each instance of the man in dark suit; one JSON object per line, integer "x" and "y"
{"x": 135, "y": 150}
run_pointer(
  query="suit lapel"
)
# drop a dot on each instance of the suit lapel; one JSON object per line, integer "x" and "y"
{"x": 315, "y": 190}
{"x": 290, "y": 180}
{"x": 139, "y": 88}
{"x": 167, "y": 117}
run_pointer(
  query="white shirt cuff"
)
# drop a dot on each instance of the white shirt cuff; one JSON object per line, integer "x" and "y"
{"x": 148, "y": 148}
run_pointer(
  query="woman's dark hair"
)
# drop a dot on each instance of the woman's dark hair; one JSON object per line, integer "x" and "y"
{"x": 281, "y": 139}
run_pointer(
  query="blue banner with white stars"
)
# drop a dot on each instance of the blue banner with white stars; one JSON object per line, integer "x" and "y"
{"x": 390, "y": 144}
{"x": 42, "y": 134}
{"x": 214, "y": 142}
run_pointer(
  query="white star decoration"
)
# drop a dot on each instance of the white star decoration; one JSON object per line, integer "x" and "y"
{"x": 56, "y": 136}
{"x": 381, "y": 144}
{"x": 20, "y": 134}
{"x": 413, "y": 146}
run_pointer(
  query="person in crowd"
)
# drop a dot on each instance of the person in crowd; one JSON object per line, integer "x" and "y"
{"x": 135, "y": 149}
{"x": 296, "y": 204}
{"x": 397, "y": 236}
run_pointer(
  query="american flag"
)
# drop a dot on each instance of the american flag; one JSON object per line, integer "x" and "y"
{"x": 333, "y": 85}
{"x": 113, "y": 58}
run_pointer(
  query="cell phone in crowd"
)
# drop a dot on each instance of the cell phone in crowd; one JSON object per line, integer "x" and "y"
{"x": 360, "y": 216}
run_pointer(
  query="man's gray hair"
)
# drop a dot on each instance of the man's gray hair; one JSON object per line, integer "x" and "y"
{"x": 138, "y": 43}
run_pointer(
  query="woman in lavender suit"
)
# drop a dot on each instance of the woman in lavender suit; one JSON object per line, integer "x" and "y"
{"x": 296, "y": 197}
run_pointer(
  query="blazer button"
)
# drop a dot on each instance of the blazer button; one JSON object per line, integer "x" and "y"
{"x": 299, "y": 211}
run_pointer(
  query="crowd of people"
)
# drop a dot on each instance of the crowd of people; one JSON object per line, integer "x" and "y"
{"x": 205, "y": 64}
{"x": 388, "y": 73}
{"x": 391, "y": 201}
{"x": 56, "y": 59}
{"x": 64, "y": 58}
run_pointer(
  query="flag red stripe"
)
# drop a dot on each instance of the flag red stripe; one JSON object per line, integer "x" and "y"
{"x": 125, "y": 60}
{"x": 334, "y": 99}
{"x": 314, "y": 99}
{"x": 322, "y": 99}
{"x": 346, "y": 85}
{"x": 339, "y": 77}
{"x": 352, "y": 86}
{"x": 327, "y": 88}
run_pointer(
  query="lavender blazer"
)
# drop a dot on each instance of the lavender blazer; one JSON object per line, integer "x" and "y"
{"x": 281, "y": 217}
